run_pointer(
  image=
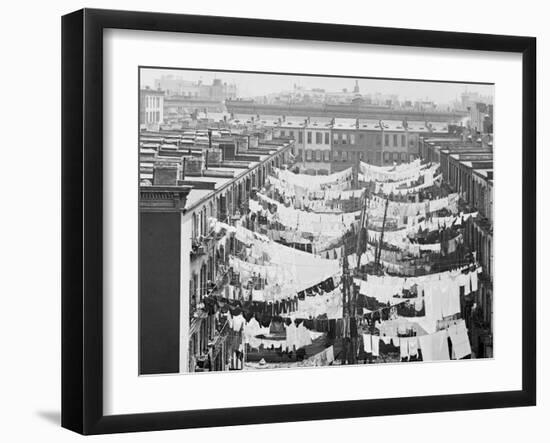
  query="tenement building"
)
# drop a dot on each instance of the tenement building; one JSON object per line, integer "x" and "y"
{"x": 468, "y": 170}
{"x": 188, "y": 179}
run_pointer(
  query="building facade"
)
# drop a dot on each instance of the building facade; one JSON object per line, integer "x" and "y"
{"x": 469, "y": 171}
{"x": 181, "y": 258}
{"x": 346, "y": 148}
{"x": 316, "y": 157}
{"x": 151, "y": 107}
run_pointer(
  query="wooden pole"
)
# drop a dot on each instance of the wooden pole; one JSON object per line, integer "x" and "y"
{"x": 377, "y": 261}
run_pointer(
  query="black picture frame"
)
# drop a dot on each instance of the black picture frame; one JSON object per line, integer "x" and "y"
{"x": 82, "y": 218}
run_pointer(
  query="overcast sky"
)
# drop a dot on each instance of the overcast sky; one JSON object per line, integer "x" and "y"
{"x": 249, "y": 85}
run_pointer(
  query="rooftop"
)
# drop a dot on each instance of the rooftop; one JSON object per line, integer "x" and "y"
{"x": 393, "y": 125}
{"x": 369, "y": 124}
{"x": 345, "y": 123}
{"x": 199, "y": 181}
{"x": 418, "y": 126}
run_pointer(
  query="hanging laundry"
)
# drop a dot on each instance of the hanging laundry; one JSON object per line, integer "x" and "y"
{"x": 291, "y": 337}
{"x": 459, "y": 339}
{"x": 303, "y": 336}
{"x": 375, "y": 342}
{"x": 367, "y": 343}
{"x": 473, "y": 280}
{"x": 413, "y": 346}
{"x": 238, "y": 322}
{"x": 404, "y": 348}
{"x": 434, "y": 347}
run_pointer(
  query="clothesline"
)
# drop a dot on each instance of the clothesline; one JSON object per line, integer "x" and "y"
{"x": 304, "y": 194}
{"x": 313, "y": 181}
{"x": 401, "y": 209}
{"x": 307, "y": 269}
{"x": 404, "y": 187}
{"x": 396, "y": 173}
{"x": 400, "y": 236}
{"x": 297, "y": 216}
{"x": 372, "y": 312}
{"x": 434, "y": 346}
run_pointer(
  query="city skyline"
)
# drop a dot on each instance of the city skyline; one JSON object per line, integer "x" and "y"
{"x": 256, "y": 85}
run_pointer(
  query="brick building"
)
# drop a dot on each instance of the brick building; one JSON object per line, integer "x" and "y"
{"x": 181, "y": 259}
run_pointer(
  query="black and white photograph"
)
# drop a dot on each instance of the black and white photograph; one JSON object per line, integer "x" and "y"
{"x": 290, "y": 221}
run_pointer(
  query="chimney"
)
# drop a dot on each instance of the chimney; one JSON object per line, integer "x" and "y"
{"x": 253, "y": 141}
{"x": 228, "y": 150}
{"x": 165, "y": 174}
{"x": 193, "y": 166}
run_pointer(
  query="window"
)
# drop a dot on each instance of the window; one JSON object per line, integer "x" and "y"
{"x": 386, "y": 156}
{"x": 282, "y": 133}
{"x": 403, "y": 156}
{"x": 308, "y": 154}
{"x": 318, "y": 155}
{"x": 386, "y": 140}
{"x": 344, "y": 156}
{"x": 352, "y": 139}
{"x": 336, "y": 155}
{"x": 309, "y": 137}
{"x": 403, "y": 140}
{"x": 396, "y": 156}
{"x": 318, "y": 138}
{"x": 344, "y": 139}
{"x": 300, "y": 137}
{"x": 327, "y": 138}
{"x": 300, "y": 154}
{"x": 326, "y": 155}
{"x": 335, "y": 138}
{"x": 379, "y": 140}
{"x": 195, "y": 232}
{"x": 291, "y": 133}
